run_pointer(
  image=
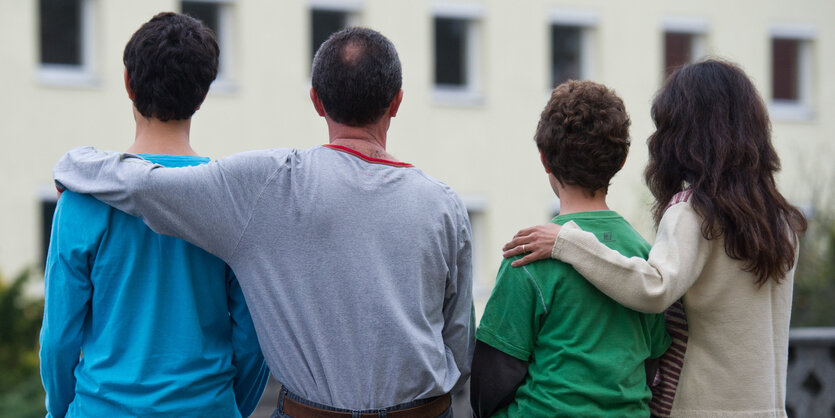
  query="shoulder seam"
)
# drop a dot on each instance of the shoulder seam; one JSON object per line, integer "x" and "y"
{"x": 266, "y": 184}
{"x": 538, "y": 289}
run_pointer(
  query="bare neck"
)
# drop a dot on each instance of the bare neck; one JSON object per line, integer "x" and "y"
{"x": 574, "y": 199}
{"x": 154, "y": 136}
{"x": 369, "y": 139}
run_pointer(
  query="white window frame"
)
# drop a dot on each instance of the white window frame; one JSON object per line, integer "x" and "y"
{"x": 351, "y": 7}
{"x": 471, "y": 93}
{"x": 476, "y": 206}
{"x": 696, "y": 27}
{"x": 225, "y": 37}
{"x": 82, "y": 75}
{"x": 801, "y": 109}
{"x": 588, "y": 21}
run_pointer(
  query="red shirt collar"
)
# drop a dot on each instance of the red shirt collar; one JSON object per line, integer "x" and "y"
{"x": 367, "y": 158}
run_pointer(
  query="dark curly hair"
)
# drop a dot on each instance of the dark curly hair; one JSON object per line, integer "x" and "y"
{"x": 356, "y": 74}
{"x": 171, "y": 61}
{"x": 713, "y": 133}
{"x": 583, "y": 134}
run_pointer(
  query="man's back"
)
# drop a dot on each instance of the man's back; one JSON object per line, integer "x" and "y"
{"x": 354, "y": 259}
{"x": 586, "y": 353}
{"x": 162, "y": 324}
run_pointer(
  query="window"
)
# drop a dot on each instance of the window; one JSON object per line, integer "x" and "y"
{"x": 66, "y": 53}
{"x": 566, "y": 53}
{"x": 791, "y": 72}
{"x": 327, "y": 17}
{"x": 322, "y": 24}
{"x": 785, "y": 60}
{"x": 571, "y": 45}
{"x": 47, "y": 208}
{"x": 683, "y": 42}
{"x": 457, "y": 57}
{"x": 217, "y": 15}
{"x": 61, "y": 32}
{"x": 451, "y": 52}
{"x": 208, "y": 13}
{"x": 678, "y": 51}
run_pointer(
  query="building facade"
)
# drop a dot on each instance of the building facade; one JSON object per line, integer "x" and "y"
{"x": 476, "y": 74}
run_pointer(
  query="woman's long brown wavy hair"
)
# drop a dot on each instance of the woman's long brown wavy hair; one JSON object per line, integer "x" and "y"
{"x": 713, "y": 133}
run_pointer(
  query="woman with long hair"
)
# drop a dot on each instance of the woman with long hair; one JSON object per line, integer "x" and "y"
{"x": 725, "y": 249}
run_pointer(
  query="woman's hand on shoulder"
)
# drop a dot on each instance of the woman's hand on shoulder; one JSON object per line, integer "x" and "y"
{"x": 535, "y": 243}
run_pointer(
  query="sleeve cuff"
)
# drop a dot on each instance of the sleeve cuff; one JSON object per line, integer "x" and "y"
{"x": 565, "y": 230}
{"x": 487, "y": 337}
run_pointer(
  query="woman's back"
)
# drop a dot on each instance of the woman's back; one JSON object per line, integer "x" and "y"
{"x": 735, "y": 359}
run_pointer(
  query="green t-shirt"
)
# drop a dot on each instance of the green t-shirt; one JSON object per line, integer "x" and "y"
{"x": 585, "y": 351}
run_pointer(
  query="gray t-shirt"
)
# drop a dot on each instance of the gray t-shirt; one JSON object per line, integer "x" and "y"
{"x": 357, "y": 271}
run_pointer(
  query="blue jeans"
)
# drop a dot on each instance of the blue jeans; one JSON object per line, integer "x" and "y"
{"x": 278, "y": 413}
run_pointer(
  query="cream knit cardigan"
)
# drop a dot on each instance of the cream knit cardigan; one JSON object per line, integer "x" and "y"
{"x": 735, "y": 363}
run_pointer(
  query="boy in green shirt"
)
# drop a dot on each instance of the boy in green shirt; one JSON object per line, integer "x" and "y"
{"x": 549, "y": 343}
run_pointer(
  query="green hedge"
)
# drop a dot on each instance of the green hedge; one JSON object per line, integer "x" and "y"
{"x": 814, "y": 283}
{"x": 21, "y": 393}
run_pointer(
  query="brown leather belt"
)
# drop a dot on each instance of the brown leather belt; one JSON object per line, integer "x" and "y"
{"x": 432, "y": 408}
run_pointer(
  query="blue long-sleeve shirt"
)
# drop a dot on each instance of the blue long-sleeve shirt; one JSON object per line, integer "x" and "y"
{"x": 140, "y": 324}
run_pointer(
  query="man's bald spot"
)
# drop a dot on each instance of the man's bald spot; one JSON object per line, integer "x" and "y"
{"x": 352, "y": 52}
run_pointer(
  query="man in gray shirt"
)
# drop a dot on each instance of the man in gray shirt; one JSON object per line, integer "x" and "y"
{"x": 356, "y": 266}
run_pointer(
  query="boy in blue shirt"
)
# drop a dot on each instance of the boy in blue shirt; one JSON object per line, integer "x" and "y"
{"x": 136, "y": 323}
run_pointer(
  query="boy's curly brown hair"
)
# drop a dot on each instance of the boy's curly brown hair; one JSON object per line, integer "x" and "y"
{"x": 583, "y": 134}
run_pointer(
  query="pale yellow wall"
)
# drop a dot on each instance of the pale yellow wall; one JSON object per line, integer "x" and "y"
{"x": 484, "y": 151}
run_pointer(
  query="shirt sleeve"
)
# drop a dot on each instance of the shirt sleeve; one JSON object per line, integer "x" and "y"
{"x": 496, "y": 377}
{"x": 675, "y": 262}
{"x": 208, "y": 205}
{"x": 251, "y": 371}
{"x": 459, "y": 315}
{"x": 77, "y": 228}
{"x": 512, "y": 317}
